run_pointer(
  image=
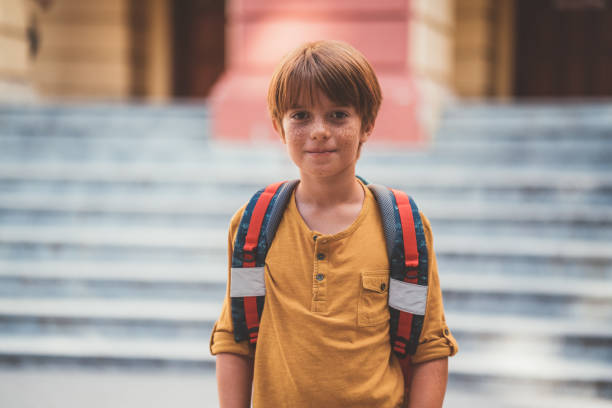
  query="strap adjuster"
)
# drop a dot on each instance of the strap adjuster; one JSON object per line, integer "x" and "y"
{"x": 400, "y": 346}
{"x": 248, "y": 256}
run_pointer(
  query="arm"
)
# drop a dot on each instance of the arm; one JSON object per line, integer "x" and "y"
{"x": 234, "y": 359}
{"x": 436, "y": 343}
{"x": 428, "y": 384}
{"x": 234, "y": 380}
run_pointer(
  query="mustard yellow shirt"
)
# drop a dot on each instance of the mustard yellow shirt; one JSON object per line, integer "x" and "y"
{"x": 324, "y": 333}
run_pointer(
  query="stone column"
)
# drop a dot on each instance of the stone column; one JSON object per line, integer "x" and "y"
{"x": 15, "y": 84}
{"x": 260, "y": 32}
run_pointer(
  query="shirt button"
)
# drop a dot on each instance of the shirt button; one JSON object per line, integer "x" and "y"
{"x": 320, "y": 277}
{"x": 320, "y": 256}
{"x": 382, "y": 286}
{"x": 314, "y": 238}
{"x": 446, "y": 331}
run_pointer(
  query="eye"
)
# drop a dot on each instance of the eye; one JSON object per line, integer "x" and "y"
{"x": 299, "y": 115}
{"x": 339, "y": 115}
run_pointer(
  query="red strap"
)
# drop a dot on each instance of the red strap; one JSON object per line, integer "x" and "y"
{"x": 251, "y": 314}
{"x": 252, "y": 237}
{"x": 411, "y": 252}
{"x": 404, "y": 329}
{"x": 406, "y": 364}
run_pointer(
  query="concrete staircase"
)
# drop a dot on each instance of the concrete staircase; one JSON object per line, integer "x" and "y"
{"x": 113, "y": 232}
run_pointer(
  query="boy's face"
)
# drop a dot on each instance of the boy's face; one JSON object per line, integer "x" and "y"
{"x": 323, "y": 139}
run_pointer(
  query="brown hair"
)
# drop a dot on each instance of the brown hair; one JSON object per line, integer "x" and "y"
{"x": 340, "y": 71}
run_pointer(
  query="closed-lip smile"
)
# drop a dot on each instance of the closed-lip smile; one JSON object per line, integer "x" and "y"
{"x": 320, "y": 151}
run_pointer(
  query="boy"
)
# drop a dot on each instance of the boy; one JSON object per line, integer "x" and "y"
{"x": 324, "y": 331}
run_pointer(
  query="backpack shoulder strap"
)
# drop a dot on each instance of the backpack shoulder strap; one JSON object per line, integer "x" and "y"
{"x": 407, "y": 251}
{"x": 256, "y": 231}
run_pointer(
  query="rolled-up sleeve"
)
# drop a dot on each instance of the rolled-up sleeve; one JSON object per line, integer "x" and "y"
{"x": 222, "y": 336}
{"x": 436, "y": 339}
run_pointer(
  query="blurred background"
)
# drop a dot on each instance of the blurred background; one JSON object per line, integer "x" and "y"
{"x": 131, "y": 130}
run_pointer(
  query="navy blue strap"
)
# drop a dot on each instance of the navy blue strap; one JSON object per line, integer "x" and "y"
{"x": 392, "y": 228}
{"x": 241, "y": 258}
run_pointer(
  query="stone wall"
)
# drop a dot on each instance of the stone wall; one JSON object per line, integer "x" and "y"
{"x": 431, "y": 55}
{"x": 121, "y": 49}
{"x": 474, "y": 49}
{"x": 14, "y": 51}
{"x": 85, "y": 50}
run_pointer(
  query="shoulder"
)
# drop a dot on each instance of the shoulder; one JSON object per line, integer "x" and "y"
{"x": 427, "y": 229}
{"x": 426, "y": 223}
{"x": 424, "y": 220}
{"x": 235, "y": 221}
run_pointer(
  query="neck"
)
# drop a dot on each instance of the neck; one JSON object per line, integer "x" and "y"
{"x": 329, "y": 191}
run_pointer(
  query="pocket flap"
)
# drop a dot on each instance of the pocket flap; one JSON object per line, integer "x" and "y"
{"x": 378, "y": 283}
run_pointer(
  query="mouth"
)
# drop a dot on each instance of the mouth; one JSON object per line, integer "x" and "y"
{"x": 320, "y": 151}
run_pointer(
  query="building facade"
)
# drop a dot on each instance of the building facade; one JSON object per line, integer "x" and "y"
{"x": 161, "y": 50}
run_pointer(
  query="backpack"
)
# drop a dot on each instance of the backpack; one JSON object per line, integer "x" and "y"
{"x": 406, "y": 249}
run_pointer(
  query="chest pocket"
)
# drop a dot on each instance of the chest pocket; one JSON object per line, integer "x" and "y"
{"x": 373, "y": 300}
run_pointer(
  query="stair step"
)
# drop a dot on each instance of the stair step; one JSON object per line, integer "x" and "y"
{"x": 215, "y": 274}
{"x": 442, "y": 227}
{"x": 525, "y": 109}
{"x": 576, "y": 155}
{"x": 518, "y": 130}
{"x": 143, "y": 271}
{"x": 216, "y": 240}
{"x": 443, "y": 177}
{"x": 524, "y": 247}
{"x": 68, "y": 386}
{"x": 136, "y": 173}
{"x": 523, "y": 364}
{"x": 125, "y": 150}
{"x": 530, "y": 113}
{"x": 60, "y": 110}
{"x": 95, "y": 120}
{"x": 557, "y": 337}
{"x": 522, "y": 267}
{"x": 537, "y": 305}
{"x": 527, "y": 285}
{"x": 207, "y": 312}
{"x": 527, "y": 326}
{"x": 124, "y": 204}
{"x": 464, "y": 146}
{"x": 111, "y": 309}
{"x": 179, "y": 238}
{"x": 226, "y": 205}
{"x": 95, "y": 347}
{"x": 240, "y": 192}
{"x": 513, "y": 398}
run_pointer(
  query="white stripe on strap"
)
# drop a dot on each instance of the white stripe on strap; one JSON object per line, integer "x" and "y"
{"x": 407, "y": 297}
{"x": 248, "y": 282}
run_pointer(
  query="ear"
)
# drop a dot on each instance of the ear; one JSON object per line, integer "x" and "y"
{"x": 367, "y": 131}
{"x": 279, "y": 129}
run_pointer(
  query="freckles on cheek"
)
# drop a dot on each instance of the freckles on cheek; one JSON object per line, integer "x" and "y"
{"x": 297, "y": 133}
{"x": 295, "y": 139}
{"x": 350, "y": 137}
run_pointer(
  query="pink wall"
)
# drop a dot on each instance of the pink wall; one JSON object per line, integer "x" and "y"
{"x": 260, "y": 32}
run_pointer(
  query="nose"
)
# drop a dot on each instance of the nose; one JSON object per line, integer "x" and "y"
{"x": 319, "y": 130}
